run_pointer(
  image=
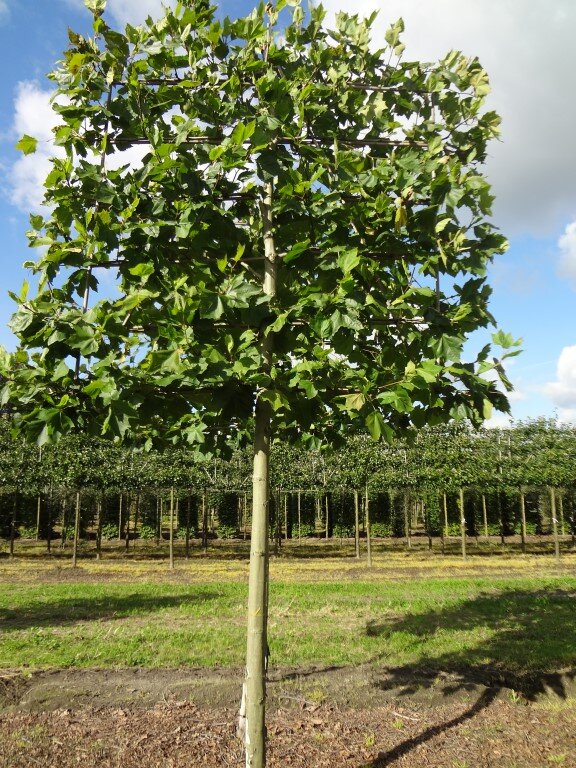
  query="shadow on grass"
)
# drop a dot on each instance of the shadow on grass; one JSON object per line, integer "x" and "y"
{"x": 527, "y": 643}
{"x": 523, "y": 640}
{"x": 70, "y": 610}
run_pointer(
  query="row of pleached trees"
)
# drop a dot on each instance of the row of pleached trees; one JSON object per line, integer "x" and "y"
{"x": 450, "y": 481}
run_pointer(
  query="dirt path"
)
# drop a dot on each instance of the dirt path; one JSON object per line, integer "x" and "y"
{"x": 360, "y": 717}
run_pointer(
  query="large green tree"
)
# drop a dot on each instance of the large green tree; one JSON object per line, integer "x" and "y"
{"x": 302, "y": 247}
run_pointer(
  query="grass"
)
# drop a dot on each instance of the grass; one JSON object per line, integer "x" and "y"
{"x": 322, "y": 612}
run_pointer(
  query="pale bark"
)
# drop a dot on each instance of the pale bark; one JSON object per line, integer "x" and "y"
{"x": 356, "y": 525}
{"x": 407, "y": 530}
{"x": 484, "y": 516}
{"x": 38, "y": 513}
{"x": 187, "y": 543}
{"x": 523, "y": 520}
{"x": 171, "y": 529}
{"x": 76, "y": 531}
{"x": 462, "y": 522}
{"x": 252, "y": 712}
{"x": 368, "y": 530}
{"x": 127, "y": 528}
{"x": 98, "y": 529}
{"x": 554, "y": 524}
{"x": 299, "y": 517}
{"x": 13, "y": 525}
{"x": 120, "y": 518}
{"x": 204, "y": 521}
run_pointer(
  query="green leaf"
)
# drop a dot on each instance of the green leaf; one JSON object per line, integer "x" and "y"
{"x": 401, "y": 217}
{"x": 27, "y": 144}
{"x": 144, "y": 269}
{"x": 376, "y": 424}
{"x": 243, "y": 132}
{"x": 97, "y": 7}
{"x": 355, "y": 402}
{"x": 296, "y": 251}
{"x": 348, "y": 261}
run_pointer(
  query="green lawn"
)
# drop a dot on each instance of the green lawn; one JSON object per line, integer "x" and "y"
{"x": 516, "y": 624}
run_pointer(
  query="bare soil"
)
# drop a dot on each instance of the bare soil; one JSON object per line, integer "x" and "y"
{"x": 361, "y": 717}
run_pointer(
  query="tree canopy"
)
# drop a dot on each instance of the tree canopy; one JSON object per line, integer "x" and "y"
{"x": 151, "y": 313}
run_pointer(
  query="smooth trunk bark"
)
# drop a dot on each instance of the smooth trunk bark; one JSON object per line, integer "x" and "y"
{"x": 462, "y": 522}
{"x": 368, "y": 529}
{"x": 523, "y": 521}
{"x": 554, "y": 524}
{"x": 76, "y": 531}
{"x": 356, "y": 525}
{"x": 171, "y": 529}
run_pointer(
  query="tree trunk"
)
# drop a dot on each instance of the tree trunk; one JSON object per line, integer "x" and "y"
{"x": 462, "y": 522}
{"x": 63, "y": 531}
{"x": 98, "y": 529}
{"x": 285, "y": 517}
{"x": 204, "y": 522}
{"x": 484, "y": 516}
{"x": 561, "y": 513}
{"x": 299, "y": 517}
{"x": 136, "y": 517}
{"x": 49, "y": 512}
{"x": 445, "y": 504}
{"x": 252, "y": 711}
{"x": 426, "y": 518}
{"x": 368, "y": 531}
{"x": 120, "y": 518}
{"x": 187, "y": 547}
{"x": 245, "y": 516}
{"x": 38, "y": 512}
{"x": 357, "y": 525}
{"x": 327, "y": 515}
{"x": 172, "y": 529}
{"x": 501, "y": 517}
{"x": 76, "y": 531}
{"x": 407, "y": 522}
{"x": 554, "y": 524}
{"x": 127, "y": 526}
{"x": 13, "y": 525}
{"x": 158, "y": 523}
{"x": 523, "y": 520}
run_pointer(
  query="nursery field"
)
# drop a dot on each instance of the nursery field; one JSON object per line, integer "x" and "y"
{"x": 420, "y": 660}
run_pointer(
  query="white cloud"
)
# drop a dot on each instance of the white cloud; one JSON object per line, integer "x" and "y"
{"x": 562, "y": 392}
{"x": 528, "y": 50}
{"x": 567, "y": 245}
{"x": 131, "y": 11}
{"x": 33, "y": 115}
{"x": 499, "y": 421}
{"x": 136, "y": 11}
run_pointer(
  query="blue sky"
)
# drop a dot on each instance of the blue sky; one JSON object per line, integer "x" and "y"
{"x": 527, "y": 48}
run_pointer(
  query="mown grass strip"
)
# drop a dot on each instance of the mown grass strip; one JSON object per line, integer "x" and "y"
{"x": 449, "y": 623}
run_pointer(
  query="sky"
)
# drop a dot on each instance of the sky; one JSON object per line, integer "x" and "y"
{"x": 527, "y": 48}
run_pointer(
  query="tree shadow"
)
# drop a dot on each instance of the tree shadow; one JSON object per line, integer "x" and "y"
{"x": 524, "y": 641}
{"x": 514, "y": 639}
{"x": 71, "y": 610}
{"x": 385, "y": 758}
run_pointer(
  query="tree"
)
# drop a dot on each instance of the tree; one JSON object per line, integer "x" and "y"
{"x": 302, "y": 248}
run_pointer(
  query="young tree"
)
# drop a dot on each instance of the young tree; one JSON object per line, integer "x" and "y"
{"x": 303, "y": 246}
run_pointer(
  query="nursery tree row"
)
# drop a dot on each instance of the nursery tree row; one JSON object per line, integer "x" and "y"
{"x": 444, "y": 482}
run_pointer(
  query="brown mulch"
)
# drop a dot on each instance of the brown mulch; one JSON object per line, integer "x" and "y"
{"x": 486, "y": 732}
